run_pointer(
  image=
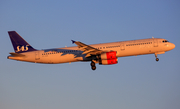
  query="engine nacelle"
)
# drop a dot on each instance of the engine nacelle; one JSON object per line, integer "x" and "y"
{"x": 108, "y": 55}
{"x": 108, "y": 58}
{"x": 108, "y": 62}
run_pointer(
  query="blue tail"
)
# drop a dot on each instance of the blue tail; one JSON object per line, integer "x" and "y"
{"x": 19, "y": 44}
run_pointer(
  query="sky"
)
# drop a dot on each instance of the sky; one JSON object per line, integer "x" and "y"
{"x": 137, "y": 82}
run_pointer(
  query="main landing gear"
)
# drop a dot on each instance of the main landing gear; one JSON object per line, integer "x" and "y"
{"x": 93, "y": 65}
{"x": 157, "y": 59}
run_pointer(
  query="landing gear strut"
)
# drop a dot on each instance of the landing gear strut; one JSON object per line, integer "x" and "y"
{"x": 157, "y": 59}
{"x": 93, "y": 65}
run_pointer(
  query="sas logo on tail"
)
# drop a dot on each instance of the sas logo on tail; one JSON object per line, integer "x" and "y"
{"x": 22, "y": 48}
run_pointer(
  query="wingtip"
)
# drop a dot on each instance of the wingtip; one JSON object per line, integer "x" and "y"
{"x": 73, "y": 41}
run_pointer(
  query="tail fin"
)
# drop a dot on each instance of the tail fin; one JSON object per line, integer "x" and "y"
{"x": 19, "y": 44}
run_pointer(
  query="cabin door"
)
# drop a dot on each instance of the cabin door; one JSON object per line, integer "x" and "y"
{"x": 155, "y": 42}
{"x": 37, "y": 55}
{"x": 122, "y": 47}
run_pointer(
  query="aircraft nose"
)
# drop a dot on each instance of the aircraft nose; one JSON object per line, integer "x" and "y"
{"x": 170, "y": 46}
{"x": 173, "y": 46}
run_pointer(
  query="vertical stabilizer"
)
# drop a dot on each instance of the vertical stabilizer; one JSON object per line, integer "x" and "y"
{"x": 19, "y": 44}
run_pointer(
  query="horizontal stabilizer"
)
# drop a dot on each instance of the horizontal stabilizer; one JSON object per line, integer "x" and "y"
{"x": 17, "y": 54}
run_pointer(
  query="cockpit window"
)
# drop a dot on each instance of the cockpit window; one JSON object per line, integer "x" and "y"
{"x": 165, "y": 41}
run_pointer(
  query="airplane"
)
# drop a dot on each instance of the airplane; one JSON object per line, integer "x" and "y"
{"x": 102, "y": 54}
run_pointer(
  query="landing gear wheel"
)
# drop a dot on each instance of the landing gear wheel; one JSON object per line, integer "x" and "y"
{"x": 157, "y": 59}
{"x": 93, "y": 64}
{"x": 93, "y": 67}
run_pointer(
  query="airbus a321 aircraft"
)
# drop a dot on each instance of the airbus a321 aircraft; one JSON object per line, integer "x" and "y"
{"x": 104, "y": 53}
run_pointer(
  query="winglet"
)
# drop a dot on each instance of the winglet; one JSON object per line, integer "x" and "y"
{"x": 73, "y": 41}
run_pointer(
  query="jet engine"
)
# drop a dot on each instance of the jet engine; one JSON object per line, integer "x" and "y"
{"x": 108, "y": 58}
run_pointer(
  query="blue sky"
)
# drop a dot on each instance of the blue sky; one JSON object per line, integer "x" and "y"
{"x": 134, "y": 83}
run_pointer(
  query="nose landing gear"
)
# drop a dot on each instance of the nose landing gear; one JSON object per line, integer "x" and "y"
{"x": 93, "y": 65}
{"x": 157, "y": 59}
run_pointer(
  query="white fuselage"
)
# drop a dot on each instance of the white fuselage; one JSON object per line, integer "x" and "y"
{"x": 74, "y": 54}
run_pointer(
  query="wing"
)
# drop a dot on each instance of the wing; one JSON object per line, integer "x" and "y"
{"x": 88, "y": 50}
